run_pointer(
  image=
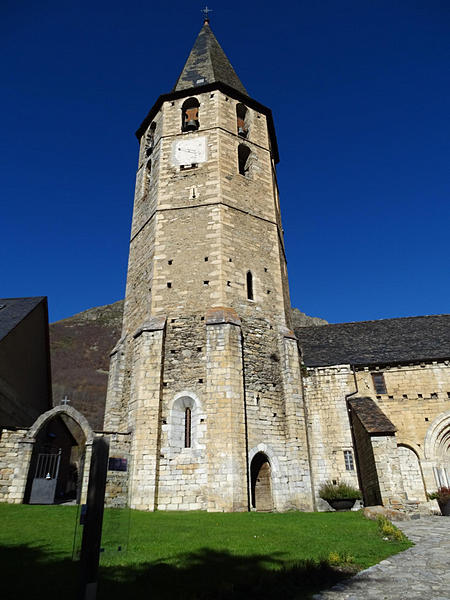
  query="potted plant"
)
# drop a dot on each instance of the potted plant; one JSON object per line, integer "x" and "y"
{"x": 339, "y": 495}
{"x": 443, "y": 498}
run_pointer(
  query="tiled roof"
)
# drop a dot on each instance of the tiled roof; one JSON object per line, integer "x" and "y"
{"x": 408, "y": 339}
{"x": 14, "y": 310}
{"x": 207, "y": 63}
{"x": 371, "y": 416}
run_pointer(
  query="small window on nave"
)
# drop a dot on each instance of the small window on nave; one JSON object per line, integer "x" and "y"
{"x": 187, "y": 428}
{"x": 378, "y": 383}
{"x": 348, "y": 459}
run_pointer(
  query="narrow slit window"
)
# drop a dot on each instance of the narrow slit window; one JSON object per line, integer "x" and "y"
{"x": 348, "y": 458}
{"x": 189, "y": 115}
{"x": 378, "y": 383}
{"x": 187, "y": 428}
{"x": 244, "y": 160}
{"x": 249, "y": 285}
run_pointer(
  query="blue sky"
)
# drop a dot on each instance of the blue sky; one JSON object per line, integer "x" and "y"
{"x": 360, "y": 95}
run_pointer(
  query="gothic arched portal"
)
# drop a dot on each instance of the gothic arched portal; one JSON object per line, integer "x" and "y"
{"x": 261, "y": 483}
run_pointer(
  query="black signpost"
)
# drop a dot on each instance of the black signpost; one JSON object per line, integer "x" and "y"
{"x": 93, "y": 519}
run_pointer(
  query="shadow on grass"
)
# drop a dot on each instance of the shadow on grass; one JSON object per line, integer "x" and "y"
{"x": 34, "y": 574}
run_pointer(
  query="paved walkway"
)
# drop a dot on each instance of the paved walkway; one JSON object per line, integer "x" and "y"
{"x": 419, "y": 573}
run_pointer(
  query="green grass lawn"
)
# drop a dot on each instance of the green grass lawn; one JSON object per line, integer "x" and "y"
{"x": 187, "y": 556}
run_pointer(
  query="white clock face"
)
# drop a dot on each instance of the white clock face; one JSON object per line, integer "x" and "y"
{"x": 186, "y": 152}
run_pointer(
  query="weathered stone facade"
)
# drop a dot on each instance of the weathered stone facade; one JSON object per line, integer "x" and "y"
{"x": 208, "y": 377}
{"x": 398, "y": 466}
{"x": 207, "y": 314}
{"x": 14, "y": 461}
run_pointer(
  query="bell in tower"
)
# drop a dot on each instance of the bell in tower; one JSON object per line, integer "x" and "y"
{"x": 190, "y": 115}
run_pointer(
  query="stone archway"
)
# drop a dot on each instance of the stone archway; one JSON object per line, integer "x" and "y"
{"x": 58, "y": 442}
{"x": 411, "y": 473}
{"x": 261, "y": 483}
{"x": 437, "y": 448}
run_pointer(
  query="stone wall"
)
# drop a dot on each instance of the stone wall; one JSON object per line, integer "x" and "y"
{"x": 416, "y": 396}
{"x": 183, "y": 470}
{"x": 117, "y": 482}
{"x": 14, "y": 460}
{"x": 328, "y": 424}
{"x": 387, "y": 464}
{"x": 366, "y": 463}
{"x": 201, "y": 361}
{"x": 411, "y": 473}
{"x": 417, "y": 401}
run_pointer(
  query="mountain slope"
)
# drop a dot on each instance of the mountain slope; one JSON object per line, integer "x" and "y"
{"x": 80, "y": 348}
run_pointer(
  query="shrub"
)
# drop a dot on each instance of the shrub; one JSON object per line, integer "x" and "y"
{"x": 340, "y": 558}
{"x": 338, "y": 491}
{"x": 442, "y": 494}
{"x": 388, "y": 530}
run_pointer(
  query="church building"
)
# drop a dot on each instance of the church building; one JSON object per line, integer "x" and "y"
{"x": 216, "y": 400}
{"x": 229, "y": 409}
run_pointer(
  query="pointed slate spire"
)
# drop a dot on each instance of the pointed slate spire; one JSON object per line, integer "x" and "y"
{"x": 207, "y": 63}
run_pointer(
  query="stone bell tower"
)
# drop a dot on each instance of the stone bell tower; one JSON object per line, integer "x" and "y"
{"x": 206, "y": 376}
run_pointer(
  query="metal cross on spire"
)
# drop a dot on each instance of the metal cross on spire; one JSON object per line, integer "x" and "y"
{"x": 65, "y": 400}
{"x": 206, "y": 12}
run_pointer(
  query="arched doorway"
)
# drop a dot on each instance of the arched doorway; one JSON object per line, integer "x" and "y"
{"x": 57, "y": 463}
{"x": 437, "y": 449}
{"x": 261, "y": 483}
{"x": 411, "y": 473}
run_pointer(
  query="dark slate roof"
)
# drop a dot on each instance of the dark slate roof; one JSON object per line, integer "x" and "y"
{"x": 14, "y": 310}
{"x": 207, "y": 63}
{"x": 405, "y": 340}
{"x": 371, "y": 416}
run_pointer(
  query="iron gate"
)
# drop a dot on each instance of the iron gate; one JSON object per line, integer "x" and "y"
{"x": 45, "y": 478}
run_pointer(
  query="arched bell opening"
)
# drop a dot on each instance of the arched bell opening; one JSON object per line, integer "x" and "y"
{"x": 261, "y": 483}
{"x": 244, "y": 160}
{"x": 189, "y": 115}
{"x": 56, "y": 468}
{"x": 242, "y": 120}
{"x": 150, "y": 139}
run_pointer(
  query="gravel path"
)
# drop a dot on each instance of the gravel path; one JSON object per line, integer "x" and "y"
{"x": 419, "y": 573}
